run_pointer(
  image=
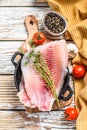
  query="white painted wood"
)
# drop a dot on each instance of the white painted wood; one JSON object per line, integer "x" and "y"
{"x": 20, "y": 120}
{"x": 12, "y": 21}
{"x": 12, "y": 114}
{"x": 8, "y": 93}
{"x": 7, "y": 49}
{"x": 22, "y": 3}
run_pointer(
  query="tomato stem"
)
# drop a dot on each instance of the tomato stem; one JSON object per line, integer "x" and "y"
{"x": 39, "y": 37}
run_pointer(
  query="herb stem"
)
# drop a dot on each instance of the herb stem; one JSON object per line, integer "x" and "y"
{"x": 44, "y": 71}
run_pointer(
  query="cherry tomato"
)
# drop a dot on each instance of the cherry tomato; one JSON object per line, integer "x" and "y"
{"x": 78, "y": 71}
{"x": 71, "y": 113}
{"x": 39, "y": 38}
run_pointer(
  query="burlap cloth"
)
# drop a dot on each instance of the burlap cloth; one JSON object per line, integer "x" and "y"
{"x": 75, "y": 12}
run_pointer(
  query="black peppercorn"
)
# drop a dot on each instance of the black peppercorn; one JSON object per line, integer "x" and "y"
{"x": 54, "y": 23}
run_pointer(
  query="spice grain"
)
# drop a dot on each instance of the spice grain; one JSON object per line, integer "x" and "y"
{"x": 54, "y": 23}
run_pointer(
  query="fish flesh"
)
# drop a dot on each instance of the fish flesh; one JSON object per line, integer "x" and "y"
{"x": 33, "y": 89}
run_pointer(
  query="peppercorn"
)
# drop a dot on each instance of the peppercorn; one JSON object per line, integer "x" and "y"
{"x": 54, "y": 23}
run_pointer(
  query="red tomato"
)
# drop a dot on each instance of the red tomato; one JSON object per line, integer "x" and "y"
{"x": 78, "y": 71}
{"x": 71, "y": 113}
{"x": 39, "y": 38}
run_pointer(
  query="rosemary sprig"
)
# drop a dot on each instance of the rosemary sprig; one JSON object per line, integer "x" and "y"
{"x": 44, "y": 71}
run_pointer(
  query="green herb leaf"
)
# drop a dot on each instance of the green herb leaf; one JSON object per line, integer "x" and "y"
{"x": 20, "y": 49}
{"x": 31, "y": 42}
{"x": 26, "y": 63}
{"x": 44, "y": 71}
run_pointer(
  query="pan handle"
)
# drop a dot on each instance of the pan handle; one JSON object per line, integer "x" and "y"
{"x": 15, "y": 63}
{"x": 62, "y": 97}
{"x": 65, "y": 88}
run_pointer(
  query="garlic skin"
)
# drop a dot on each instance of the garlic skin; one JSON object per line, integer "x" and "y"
{"x": 72, "y": 47}
{"x": 72, "y": 50}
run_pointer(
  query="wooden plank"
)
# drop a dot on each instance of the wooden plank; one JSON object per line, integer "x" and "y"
{"x": 8, "y": 93}
{"x": 12, "y": 21}
{"x": 7, "y": 49}
{"x": 22, "y": 3}
{"x": 20, "y": 120}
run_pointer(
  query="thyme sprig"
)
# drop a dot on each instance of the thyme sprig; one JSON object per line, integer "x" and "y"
{"x": 31, "y": 42}
{"x": 21, "y": 50}
{"x": 44, "y": 71}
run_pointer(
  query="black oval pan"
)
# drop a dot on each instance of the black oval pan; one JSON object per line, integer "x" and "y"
{"x": 18, "y": 74}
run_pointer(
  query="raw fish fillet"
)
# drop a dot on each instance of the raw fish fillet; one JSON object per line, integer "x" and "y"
{"x": 33, "y": 90}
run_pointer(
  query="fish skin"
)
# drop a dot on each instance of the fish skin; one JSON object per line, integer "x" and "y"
{"x": 34, "y": 89}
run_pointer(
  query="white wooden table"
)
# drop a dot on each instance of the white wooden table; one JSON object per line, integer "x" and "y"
{"x": 12, "y": 34}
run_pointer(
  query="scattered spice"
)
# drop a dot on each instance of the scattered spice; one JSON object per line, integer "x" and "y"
{"x": 44, "y": 71}
{"x": 54, "y": 23}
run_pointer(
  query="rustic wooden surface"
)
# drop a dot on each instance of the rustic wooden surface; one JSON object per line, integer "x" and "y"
{"x": 12, "y": 34}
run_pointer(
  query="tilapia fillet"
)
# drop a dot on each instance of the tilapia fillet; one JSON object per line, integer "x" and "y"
{"x": 33, "y": 89}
